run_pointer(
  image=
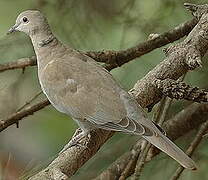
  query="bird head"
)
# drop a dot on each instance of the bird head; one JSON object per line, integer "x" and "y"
{"x": 30, "y": 22}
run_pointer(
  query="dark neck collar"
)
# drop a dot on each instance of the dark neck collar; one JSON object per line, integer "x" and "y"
{"x": 46, "y": 41}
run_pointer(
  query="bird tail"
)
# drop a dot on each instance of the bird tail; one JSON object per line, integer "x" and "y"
{"x": 167, "y": 146}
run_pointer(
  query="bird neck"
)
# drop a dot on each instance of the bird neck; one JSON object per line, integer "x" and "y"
{"x": 43, "y": 43}
{"x": 46, "y": 41}
{"x": 41, "y": 39}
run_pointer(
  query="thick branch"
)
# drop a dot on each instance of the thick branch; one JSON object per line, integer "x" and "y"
{"x": 182, "y": 123}
{"x": 66, "y": 164}
{"x": 181, "y": 58}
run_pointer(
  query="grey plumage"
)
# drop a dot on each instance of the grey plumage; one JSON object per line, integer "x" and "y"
{"x": 77, "y": 85}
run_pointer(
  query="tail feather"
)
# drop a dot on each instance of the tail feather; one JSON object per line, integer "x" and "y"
{"x": 167, "y": 146}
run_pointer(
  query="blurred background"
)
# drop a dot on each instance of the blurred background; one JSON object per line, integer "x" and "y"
{"x": 85, "y": 25}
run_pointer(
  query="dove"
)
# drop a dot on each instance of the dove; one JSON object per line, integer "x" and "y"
{"x": 78, "y": 86}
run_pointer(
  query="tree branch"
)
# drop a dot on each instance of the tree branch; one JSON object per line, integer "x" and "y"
{"x": 194, "y": 144}
{"x": 19, "y": 64}
{"x": 30, "y": 101}
{"x": 115, "y": 171}
{"x": 14, "y": 118}
{"x": 185, "y": 121}
{"x": 181, "y": 58}
{"x": 67, "y": 163}
{"x": 180, "y": 90}
{"x": 115, "y": 59}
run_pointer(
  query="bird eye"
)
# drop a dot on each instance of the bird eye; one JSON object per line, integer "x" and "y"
{"x": 24, "y": 19}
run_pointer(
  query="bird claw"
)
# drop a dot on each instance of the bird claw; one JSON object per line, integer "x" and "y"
{"x": 75, "y": 141}
{"x": 71, "y": 144}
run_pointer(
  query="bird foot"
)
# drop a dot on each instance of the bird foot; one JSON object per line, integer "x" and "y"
{"x": 75, "y": 141}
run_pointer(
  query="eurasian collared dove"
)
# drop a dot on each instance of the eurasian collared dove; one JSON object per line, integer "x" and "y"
{"x": 77, "y": 85}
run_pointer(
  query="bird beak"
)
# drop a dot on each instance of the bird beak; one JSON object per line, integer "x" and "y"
{"x": 13, "y": 29}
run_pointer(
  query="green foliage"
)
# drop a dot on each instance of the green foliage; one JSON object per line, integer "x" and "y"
{"x": 86, "y": 25}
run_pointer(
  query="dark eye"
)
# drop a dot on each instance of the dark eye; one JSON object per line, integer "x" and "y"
{"x": 24, "y": 19}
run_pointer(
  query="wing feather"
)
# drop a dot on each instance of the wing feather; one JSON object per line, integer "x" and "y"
{"x": 97, "y": 98}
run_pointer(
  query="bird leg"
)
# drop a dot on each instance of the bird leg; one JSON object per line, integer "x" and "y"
{"x": 77, "y": 137}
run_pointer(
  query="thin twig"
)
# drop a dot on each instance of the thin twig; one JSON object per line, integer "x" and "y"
{"x": 30, "y": 101}
{"x": 167, "y": 104}
{"x": 141, "y": 160}
{"x": 132, "y": 162}
{"x": 14, "y": 118}
{"x": 194, "y": 144}
{"x": 160, "y": 112}
{"x": 19, "y": 64}
{"x": 130, "y": 166}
